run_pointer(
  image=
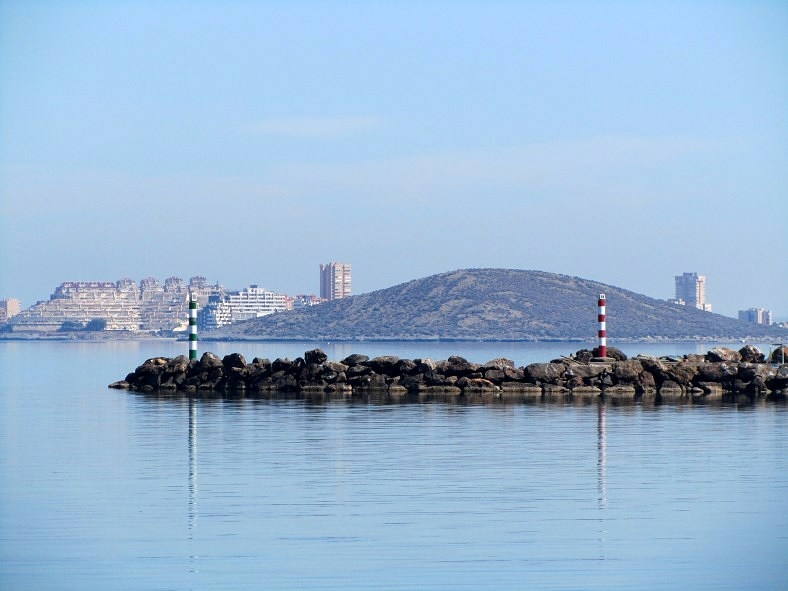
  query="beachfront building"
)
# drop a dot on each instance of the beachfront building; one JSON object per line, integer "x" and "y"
{"x": 691, "y": 291}
{"x": 117, "y": 306}
{"x": 303, "y": 301}
{"x": 228, "y": 308}
{"x": 756, "y": 316}
{"x": 335, "y": 281}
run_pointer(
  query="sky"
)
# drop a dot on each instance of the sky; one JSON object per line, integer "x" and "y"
{"x": 251, "y": 141}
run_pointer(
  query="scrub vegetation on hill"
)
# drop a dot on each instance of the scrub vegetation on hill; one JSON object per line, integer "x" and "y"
{"x": 495, "y": 304}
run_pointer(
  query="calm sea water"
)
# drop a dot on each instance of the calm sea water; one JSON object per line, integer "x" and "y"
{"x": 105, "y": 489}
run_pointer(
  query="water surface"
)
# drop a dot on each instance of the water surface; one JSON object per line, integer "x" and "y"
{"x": 105, "y": 489}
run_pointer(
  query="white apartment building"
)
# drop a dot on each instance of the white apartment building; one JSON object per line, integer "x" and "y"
{"x": 691, "y": 291}
{"x": 232, "y": 307}
{"x": 123, "y": 305}
{"x": 756, "y": 315}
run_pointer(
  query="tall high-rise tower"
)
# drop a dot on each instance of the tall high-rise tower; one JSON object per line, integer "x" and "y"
{"x": 335, "y": 281}
{"x": 691, "y": 291}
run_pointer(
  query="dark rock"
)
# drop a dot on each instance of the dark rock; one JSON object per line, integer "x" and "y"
{"x": 424, "y": 365}
{"x": 355, "y": 359}
{"x": 209, "y": 361}
{"x": 719, "y": 354}
{"x": 355, "y": 371}
{"x": 716, "y": 372}
{"x": 514, "y": 374}
{"x": 476, "y": 385}
{"x": 387, "y": 365}
{"x": 313, "y": 372}
{"x": 286, "y": 383}
{"x": 584, "y": 355}
{"x": 494, "y": 375}
{"x": 498, "y": 363}
{"x": 280, "y": 364}
{"x": 435, "y": 378}
{"x": 315, "y": 356}
{"x": 369, "y": 382}
{"x": 751, "y": 354}
{"x": 335, "y": 366}
{"x": 405, "y": 367}
{"x": 627, "y": 372}
{"x": 457, "y": 366}
{"x": 681, "y": 373}
{"x": 234, "y": 360}
{"x": 779, "y": 379}
{"x": 646, "y": 382}
{"x": 616, "y": 353}
{"x": 779, "y": 355}
{"x": 545, "y": 372}
{"x": 671, "y": 377}
{"x": 584, "y": 370}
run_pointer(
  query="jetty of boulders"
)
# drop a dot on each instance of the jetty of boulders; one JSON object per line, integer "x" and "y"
{"x": 719, "y": 373}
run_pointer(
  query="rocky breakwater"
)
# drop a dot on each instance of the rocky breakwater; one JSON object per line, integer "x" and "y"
{"x": 718, "y": 374}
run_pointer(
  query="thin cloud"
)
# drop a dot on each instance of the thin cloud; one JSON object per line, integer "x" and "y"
{"x": 574, "y": 170}
{"x": 316, "y": 127}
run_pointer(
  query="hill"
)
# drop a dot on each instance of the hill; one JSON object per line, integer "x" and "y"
{"x": 495, "y": 304}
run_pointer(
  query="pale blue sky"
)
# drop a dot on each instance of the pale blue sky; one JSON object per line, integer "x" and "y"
{"x": 624, "y": 142}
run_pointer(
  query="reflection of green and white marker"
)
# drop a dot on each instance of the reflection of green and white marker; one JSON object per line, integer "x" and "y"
{"x": 192, "y": 326}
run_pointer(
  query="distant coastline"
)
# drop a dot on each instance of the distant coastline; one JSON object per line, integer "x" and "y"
{"x": 123, "y": 336}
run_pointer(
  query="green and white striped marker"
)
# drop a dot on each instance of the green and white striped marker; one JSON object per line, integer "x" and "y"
{"x": 192, "y": 326}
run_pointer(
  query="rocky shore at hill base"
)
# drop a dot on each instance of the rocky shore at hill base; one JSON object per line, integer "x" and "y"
{"x": 718, "y": 374}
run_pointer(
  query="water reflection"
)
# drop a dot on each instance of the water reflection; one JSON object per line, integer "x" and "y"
{"x": 601, "y": 465}
{"x": 193, "y": 512}
{"x": 601, "y": 445}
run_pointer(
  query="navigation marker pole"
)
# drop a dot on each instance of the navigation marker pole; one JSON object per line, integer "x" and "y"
{"x": 192, "y": 326}
{"x": 602, "y": 333}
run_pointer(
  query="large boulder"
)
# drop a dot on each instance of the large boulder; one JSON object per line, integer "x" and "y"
{"x": 210, "y": 361}
{"x": 233, "y": 361}
{"x": 545, "y": 373}
{"x": 779, "y": 379}
{"x": 751, "y": 354}
{"x": 385, "y": 364}
{"x": 779, "y": 355}
{"x": 498, "y": 363}
{"x": 627, "y": 372}
{"x": 720, "y": 354}
{"x": 315, "y": 356}
{"x": 355, "y": 359}
{"x": 681, "y": 373}
{"x": 716, "y": 372}
{"x": 458, "y": 366}
{"x": 584, "y": 355}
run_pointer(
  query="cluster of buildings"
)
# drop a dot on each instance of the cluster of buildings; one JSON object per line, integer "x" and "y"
{"x": 691, "y": 291}
{"x": 756, "y": 315}
{"x": 155, "y": 307}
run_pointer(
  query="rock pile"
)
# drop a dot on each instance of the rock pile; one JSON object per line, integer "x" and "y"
{"x": 718, "y": 373}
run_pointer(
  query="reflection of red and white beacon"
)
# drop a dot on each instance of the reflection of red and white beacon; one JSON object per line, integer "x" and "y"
{"x": 602, "y": 333}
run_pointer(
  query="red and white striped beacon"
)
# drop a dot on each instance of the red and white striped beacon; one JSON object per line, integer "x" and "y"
{"x": 602, "y": 333}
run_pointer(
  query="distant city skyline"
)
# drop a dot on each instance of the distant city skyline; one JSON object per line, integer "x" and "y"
{"x": 689, "y": 290}
{"x": 620, "y": 142}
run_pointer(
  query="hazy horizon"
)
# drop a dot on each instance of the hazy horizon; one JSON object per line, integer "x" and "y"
{"x": 248, "y": 142}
